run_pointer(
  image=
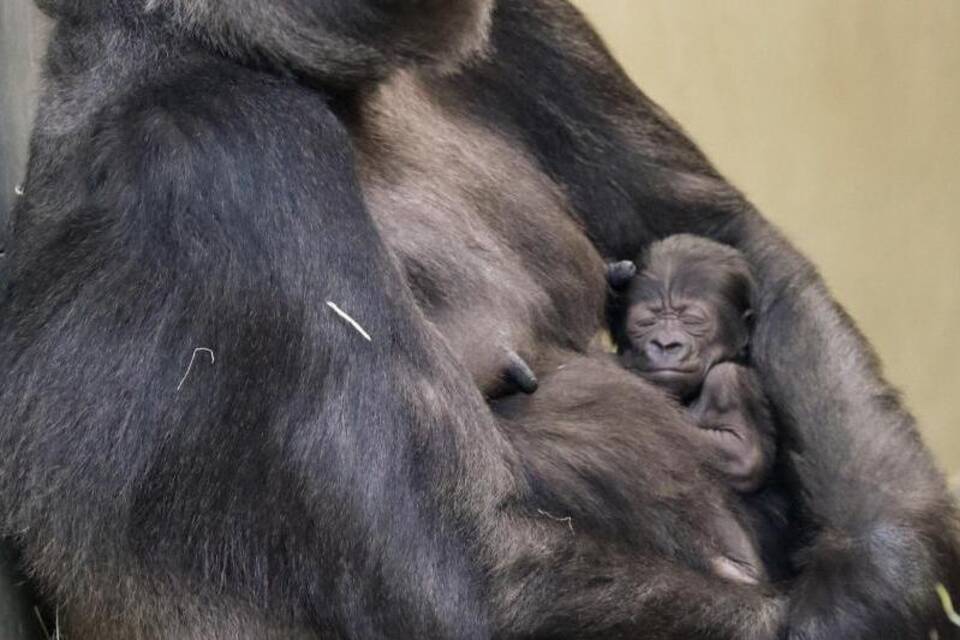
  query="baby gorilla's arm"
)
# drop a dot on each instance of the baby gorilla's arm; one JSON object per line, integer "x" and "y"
{"x": 735, "y": 423}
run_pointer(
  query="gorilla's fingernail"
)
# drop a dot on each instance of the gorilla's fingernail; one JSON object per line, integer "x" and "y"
{"x": 521, "y": 374}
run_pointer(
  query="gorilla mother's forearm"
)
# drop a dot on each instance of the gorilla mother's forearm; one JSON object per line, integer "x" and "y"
{"x": 633, "y": 175}
{"x": 865, "y": 476}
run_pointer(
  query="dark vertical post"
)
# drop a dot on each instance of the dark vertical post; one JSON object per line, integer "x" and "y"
{"x": 22, "y": 37}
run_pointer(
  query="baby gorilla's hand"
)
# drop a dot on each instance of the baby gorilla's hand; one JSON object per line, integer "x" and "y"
{"x": 734, "y": 424}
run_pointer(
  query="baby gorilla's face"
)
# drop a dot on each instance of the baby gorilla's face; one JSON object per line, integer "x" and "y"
{"x": 686, "y": 307}
{"x": 673, "y": 341}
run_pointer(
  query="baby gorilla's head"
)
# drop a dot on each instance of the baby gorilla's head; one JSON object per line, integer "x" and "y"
{"x": 687, "y": 308}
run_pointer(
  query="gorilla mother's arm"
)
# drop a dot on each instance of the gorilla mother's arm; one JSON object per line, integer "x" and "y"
{"x": 883, "y": 529}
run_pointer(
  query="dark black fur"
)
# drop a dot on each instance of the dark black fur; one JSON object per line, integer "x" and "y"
{"x": 187, "y": 189}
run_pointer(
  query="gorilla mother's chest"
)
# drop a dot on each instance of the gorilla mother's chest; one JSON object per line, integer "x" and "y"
{"x": 485, "y": 239}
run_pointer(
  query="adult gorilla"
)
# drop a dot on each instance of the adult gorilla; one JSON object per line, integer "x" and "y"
{"x": 210, "y": 175}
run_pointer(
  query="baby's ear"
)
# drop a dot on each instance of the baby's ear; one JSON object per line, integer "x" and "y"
{"x": 748, "y": 319}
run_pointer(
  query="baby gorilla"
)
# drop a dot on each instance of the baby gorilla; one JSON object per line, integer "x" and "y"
{"x": 683, "y": 323}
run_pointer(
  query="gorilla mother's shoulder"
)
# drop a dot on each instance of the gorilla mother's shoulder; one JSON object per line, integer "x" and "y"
{"x": 340, "y": 42}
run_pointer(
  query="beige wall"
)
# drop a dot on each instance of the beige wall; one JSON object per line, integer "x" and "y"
{"x": 841, "y": 121}
{"x": 22, "y": 34}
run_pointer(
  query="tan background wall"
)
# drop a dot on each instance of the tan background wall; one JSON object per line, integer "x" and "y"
{"x": 841, "y": 121}
{"x": 22, "y": 37}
